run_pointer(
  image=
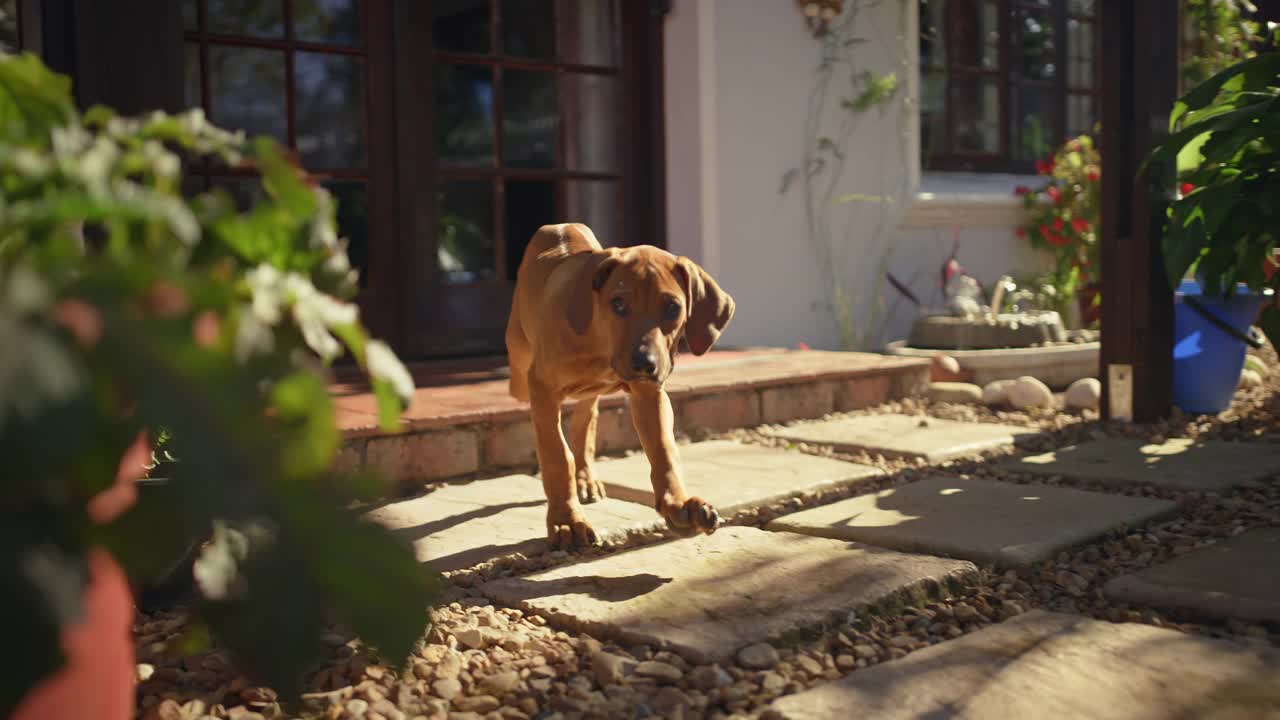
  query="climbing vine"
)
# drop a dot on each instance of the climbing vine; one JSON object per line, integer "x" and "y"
{"x": 831, "y": 217}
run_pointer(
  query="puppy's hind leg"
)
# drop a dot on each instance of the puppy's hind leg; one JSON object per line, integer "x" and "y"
{"x": 582, "y": 441}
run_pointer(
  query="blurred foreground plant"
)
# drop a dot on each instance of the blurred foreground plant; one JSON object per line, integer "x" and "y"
{"x": 126, "y": 308}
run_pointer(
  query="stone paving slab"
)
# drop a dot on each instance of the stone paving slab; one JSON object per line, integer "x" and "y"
{"x": 733, "y": 476}
{"x": 1051, "y": 666}
{"x": 1233, "y": 579}
{"x": 912, "y": 436}
{"x": 1177, "y": 464}
{"x": 985, "y": 521}
{"x": 708, "y": 596}
{"x": 458, "y": 526}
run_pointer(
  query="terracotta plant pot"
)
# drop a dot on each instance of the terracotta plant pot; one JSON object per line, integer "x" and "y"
{"x": 98, "y": 678}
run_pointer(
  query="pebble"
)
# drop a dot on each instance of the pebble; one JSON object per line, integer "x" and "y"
{"x": 772, "y": 682}
{"x": 965, "y": 612}
{"x": 473, "y": 638}
{"x": 760, "y": 656}
{"x": 1028, "y": 392}
{"x": 996, "y": 393}
{"x": 901, "y": 641}
{"x": 500, "y": 684}
{"x": 477, "y": 704}
{"x": 710, "y": 677}
{"x": 659, "y": 671}
{"x": 808, "y": 665}
{"x": 944, "y": 368}
{"x": 1083, "y": 394}
{"x": 610, "y": 669}
{"x": 866, "y": 651}
{"x": 955, "y": 392}
{"x": 357, "y": 707}
{"x": 447, "y": 688}
{"x": 1250, "y": 379}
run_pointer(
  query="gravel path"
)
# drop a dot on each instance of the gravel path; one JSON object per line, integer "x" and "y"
{"x": 479, "y": 661}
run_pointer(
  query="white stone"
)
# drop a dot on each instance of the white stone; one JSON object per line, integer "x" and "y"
{"x": 1084, "y": 394}
{"x": 955, "y": 392}
{"x": 944, "y": 368}
{"x": 1250, "y": 378}
{"x": 1028, "y": 392}
{"x": 996, "y": 393}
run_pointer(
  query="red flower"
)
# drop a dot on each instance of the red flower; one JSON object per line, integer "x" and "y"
{"x": 1044, "y": 167}
{"x": 1187, "y": 188}
{"x": 1056, "y": 239}
{"x": 1057, "y": 224}
{"x": 1092, "y": 174}
{"x": 1054, "y": 193}
{"x": 1080, "y": 225}
{"x": 1021, "y": 190}
{"x": 1020, "y": 232}
{"x": 1044, "y": 231}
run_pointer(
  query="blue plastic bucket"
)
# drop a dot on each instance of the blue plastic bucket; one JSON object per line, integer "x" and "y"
{"x": 1207, "y": 360}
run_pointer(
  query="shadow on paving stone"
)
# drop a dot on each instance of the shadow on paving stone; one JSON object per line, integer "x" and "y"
{"x": 458, "y": 526}
{"x": 1004, "y": 524}
{"x": 706, "y": 597}
{"x": 1177, "y": 464}
{"x": 1057, "y": 667}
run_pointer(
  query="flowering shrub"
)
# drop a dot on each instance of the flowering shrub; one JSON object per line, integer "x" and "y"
{"x": 1063, "y": 215}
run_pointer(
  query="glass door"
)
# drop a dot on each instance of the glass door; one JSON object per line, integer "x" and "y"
{"x": 527, "y": 128}
{"x": 311, "y": 74}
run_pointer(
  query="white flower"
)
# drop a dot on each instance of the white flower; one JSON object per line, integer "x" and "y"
{"x": 384, "y": 365}
{"x": 252, "y": 336}
{"x": 267, "y": 290}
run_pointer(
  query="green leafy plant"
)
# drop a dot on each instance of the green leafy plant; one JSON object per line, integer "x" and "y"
{"x": 1216, "y": 35}
{"x": 1063, "y": 216}
{"x": 1225, "y": 136}
{"x": 127, "y": 309}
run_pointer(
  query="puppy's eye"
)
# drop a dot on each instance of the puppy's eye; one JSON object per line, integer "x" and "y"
{"x": 673, "y": 310}
{"x": 619, "y": 307}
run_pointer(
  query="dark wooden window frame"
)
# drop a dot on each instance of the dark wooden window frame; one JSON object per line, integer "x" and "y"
{"x": 439, "y": 315}
{"x": 378, "y": 297}
{"x": 497, "y": 173}
{"x": 1003, "y": 160}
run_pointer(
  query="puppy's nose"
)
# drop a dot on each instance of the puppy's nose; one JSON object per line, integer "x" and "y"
{"x": 643, "y": 362}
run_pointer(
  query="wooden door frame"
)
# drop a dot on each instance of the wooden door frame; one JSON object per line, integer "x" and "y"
{"x": 1140, "y": 48}
{"x": 643, "y": 172}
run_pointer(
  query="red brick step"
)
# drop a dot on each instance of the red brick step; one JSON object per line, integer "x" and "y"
{"x": 463, "y": 422}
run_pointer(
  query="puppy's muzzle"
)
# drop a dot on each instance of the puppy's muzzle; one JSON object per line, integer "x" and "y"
{"x": 644, "y": 364}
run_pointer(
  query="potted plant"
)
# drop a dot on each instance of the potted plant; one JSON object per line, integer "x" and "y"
{"x": 126, "y": 308}
{"x": 1062, "y": 220}
{"x": 1223, "y": 226}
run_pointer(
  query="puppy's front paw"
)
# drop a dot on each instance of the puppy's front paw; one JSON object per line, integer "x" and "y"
{"x": 567, "y": 529}
{"x": 589, "y": 488}
{"x": 690, "y": 517}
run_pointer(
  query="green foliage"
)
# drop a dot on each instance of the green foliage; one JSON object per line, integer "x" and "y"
{"x": 1063, "y": 217}
{"x": 1223, "y": 226}
{"x": 1218, "y": 33}
{"x": 124, "y": 308}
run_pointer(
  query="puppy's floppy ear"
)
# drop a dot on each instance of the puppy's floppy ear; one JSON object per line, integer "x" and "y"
{"x": 593, "y": 273}
{"x": 710, "y": 308}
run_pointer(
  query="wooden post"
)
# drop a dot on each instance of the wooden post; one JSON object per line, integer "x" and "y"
{"x": 1140, "y": 84}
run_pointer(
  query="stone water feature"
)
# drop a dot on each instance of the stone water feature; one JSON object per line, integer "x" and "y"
{"x": 1015, "y": 341}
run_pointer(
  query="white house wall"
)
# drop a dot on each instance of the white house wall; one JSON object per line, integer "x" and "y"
{"x": 738, "y": 75}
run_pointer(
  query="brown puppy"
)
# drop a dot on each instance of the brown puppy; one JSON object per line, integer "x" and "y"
{"x": 586, "y": 322}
